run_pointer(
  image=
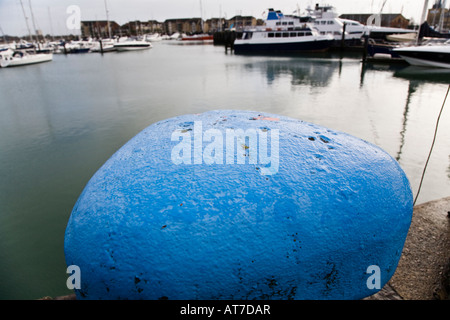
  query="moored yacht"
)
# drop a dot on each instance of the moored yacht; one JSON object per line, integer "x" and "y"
{"x": 432, "y": 55}
{"x": 327, "y": 21}
{"x": 132, "y": 44}
{"x": 283, "y": 34}
{"x": 106, "y": 45}
{"x": 11, "y": 58}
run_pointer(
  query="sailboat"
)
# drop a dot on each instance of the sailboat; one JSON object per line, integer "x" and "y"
{"x": 201, "y": 38}
{"x": 11, "y": 58}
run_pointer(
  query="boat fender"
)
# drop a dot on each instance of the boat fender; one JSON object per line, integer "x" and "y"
{"x": 382, "y": 56}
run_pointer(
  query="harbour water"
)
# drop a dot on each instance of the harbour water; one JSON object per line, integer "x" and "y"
{"x": 60, "y": 121}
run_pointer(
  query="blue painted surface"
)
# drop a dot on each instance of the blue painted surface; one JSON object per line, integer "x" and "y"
{"x": 146, "y": 228}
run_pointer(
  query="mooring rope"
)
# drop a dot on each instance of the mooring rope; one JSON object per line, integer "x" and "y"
{"x": 432, "y": 145}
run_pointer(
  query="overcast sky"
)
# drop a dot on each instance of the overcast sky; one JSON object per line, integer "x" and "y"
{"x": 51, "y": 15}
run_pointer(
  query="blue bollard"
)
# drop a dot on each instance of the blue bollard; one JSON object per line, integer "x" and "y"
{"x": 240, "y": 205}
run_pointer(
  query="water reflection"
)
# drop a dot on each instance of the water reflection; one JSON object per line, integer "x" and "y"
{"x": 411, "y": 89}
{"x": 315, "y": 73}
{"x": 433, "y": 75}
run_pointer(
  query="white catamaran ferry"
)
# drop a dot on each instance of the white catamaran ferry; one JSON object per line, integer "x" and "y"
{"x": 282, "y": 34}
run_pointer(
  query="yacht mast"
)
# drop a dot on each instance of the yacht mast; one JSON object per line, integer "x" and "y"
{"x": 441, "y": 18}
{"x": 33, "y": 21}
{"x": 107, "y": 20}
{"x": 26, "y": 21}
{"x": 51, "y": 24}
{"x": 422, "y": 19}
{"x": 4, "y": 36}
{"x": 201, "y": 14}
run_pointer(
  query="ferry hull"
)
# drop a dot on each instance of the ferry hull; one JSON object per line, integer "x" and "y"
{"x": 291, "y": 47}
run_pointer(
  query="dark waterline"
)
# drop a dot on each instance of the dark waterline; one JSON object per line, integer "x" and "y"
{"x": 60, "y": 121}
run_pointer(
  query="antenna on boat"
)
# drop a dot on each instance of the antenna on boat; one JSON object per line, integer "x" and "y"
{"x": 382, "y": 6}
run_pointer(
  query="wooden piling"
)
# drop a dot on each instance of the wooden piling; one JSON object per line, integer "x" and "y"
{"x": 344, "y": 27}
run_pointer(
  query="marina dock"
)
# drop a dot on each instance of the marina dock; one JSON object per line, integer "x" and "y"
{"x": 423, "y": 272}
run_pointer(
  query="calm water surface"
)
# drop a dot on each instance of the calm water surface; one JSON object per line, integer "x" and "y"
{"x": 60, "y": 121}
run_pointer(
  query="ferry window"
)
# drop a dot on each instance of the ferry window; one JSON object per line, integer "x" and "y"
{"x": 301, "y": 34}
{"x": 286, "y": 35}
{"x": 293, "y": 34}
{"x": 322, "y": 33}
{"x": 277, "y": 35}
{"x": 284, "y": 23}
{"x": 271, "y": 35}
{"x": 247, "y": 35}
{"x": 330, "y": 22}
{"x": 278, "y": 23}
{"x": 337, "y": 33}
{"x": 323, "y": 22}
{"x": 316, "y": 22}
{"x": 291, "y": 23}
{"x": 309, "y": 34}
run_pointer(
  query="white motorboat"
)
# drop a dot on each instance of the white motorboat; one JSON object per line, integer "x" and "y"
{"x": 327, "y": 21}
{"x": 131, "y": 45}
{"x": 175, "y": 36}
{"x": 431, "y": 55}
{"x": 12, "y": 58}
{"x": 156, "y": 37}
{"x": 106, "y": 45}
{"x": 282, "y": 34}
